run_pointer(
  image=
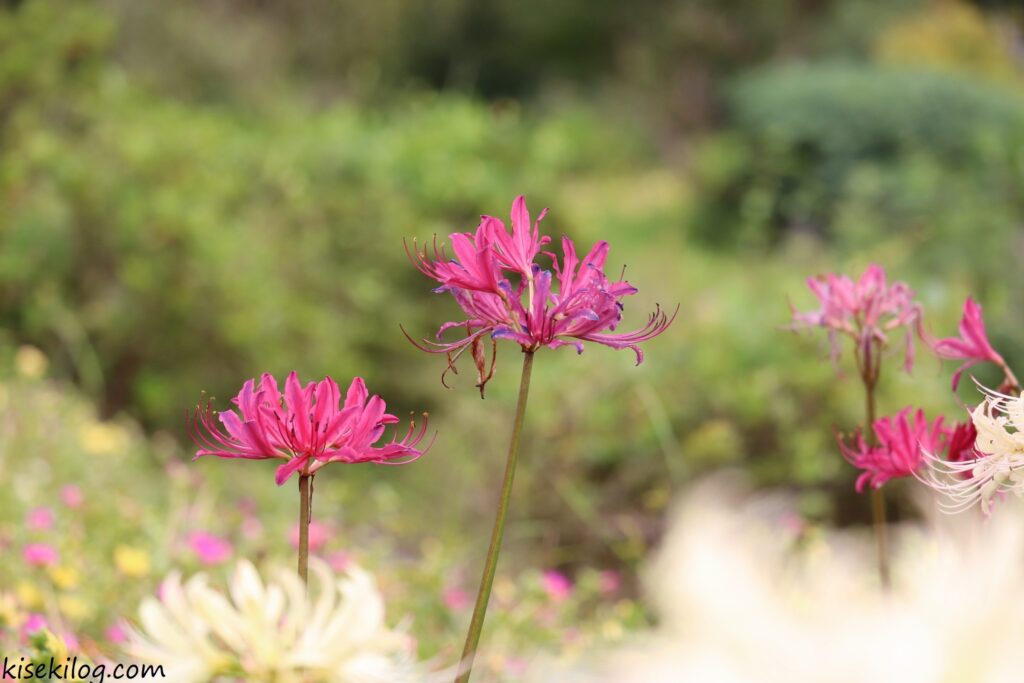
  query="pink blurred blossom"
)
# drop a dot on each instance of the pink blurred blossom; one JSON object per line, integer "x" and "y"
{"x": 793, "y": 523}
{"x": 252, "y": 528}
{"x": 866, "y": 311}
{"x": 456, "y": 599}
{"x": 304, "y": 427}
{"x": 72, "y": 496}
{"x": 40, "y": 555}
{"x": 505, "y": 294}
{"x": 556, "y": 584}
{"x": 40, "y": 519}
{"x": 515, "y": 666}
{"x": 210, "y": 549}
{"x": 116, "y": 633}
{"x": 319, "y": 535}
{"x": 972, "y": 346}
{"x": 609, "y": 581}
{"x": 339, "y": 560}
{"x": 961, "y": 442}
{"x": 898, "y": 452}
{"x": 33, "y": 623}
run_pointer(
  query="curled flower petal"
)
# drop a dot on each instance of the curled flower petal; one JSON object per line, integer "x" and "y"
{"x": 972, "y": 346}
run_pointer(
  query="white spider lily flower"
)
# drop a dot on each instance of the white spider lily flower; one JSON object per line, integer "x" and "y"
{"x": 744, "y": 594}
{"x": 274, "y": 631}
{"x": 997, "y": 467}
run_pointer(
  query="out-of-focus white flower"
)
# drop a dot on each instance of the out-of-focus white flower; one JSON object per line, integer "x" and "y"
{"x": 741, "y": 599}
{"x": 273, "y": 631}
{"x": 998, "y": 463}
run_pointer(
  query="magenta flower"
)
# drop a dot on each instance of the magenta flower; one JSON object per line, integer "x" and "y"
{"x": 72, "y": 496}
{"x": 961, "y": 442}
{"x": 971, "y": 346}
{"x": 506, "y": 294}
{"x": 556, "y": 584}
{"x": 899, "y": 450}
{"x": 40, "y": 519}
{"x": 456, "y": 599}
{"x": 33, "y": 624}
{"x": 865, "y": 310}
{"x": 40, "y": 555}
{"x": 210, "y": 549}
{"x": 339, "y": 560}
{"x": 116, "y": 633}
{"x": 307, "y": 427}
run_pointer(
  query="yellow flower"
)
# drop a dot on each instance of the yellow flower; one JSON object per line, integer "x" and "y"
{"x": 74, "y": 607}
{"x": 28, "y": 595}
{"x": 133, "y": 562}
{"x": 10, "y": 616}
{"x": 54, "y": 645}
{"x": 101, "y": 438}
{"x": 64, "y": 578}
{"x": 30, "y": 362}
{"x": 612, "y": 629}
{"x": 504, "y": 589}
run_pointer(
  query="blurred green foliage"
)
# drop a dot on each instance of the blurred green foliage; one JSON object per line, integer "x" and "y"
{"x": 851, "y": 151}
{"x": 156, "y": 249}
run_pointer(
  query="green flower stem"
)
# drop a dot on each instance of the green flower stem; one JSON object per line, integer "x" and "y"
{"x": 869, "y": 374}
{"x": 305, "y": 508}
{"x": 476, "y": 624}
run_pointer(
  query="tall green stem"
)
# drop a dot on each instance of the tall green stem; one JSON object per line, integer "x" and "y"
{"x": 869, "y": 374}
{"x": 476, "y": 624}
{"x": 305, "y": 508}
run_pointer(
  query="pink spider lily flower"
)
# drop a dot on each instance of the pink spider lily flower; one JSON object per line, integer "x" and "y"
{"x": 865, "y": 311}
{"x": 506, "y": 294}
{"x": 972, "y": 346}
{"x": 899, "y": 451}
{"x": 308, "y": 427}
{"x": 961, "y": 443}
{"x": 516, "y": 251}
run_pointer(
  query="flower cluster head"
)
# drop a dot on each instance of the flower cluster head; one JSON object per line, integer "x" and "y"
{"x": 900, "y": 442}
{"x": 995, "y": 464}
{"x": 866, "y": 311}
{"x": 307, "y": 427}
{"x": 972, "y": 346}
{"x": 505, "y": 293}
{"x": 272, "y": 631}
